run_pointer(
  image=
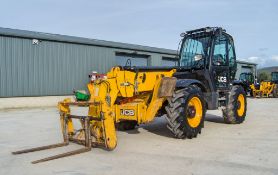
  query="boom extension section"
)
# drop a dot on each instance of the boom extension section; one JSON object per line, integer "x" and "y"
{"x": 122, "y": 96}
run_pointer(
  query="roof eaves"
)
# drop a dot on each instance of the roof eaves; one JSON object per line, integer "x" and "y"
{"x": 81, "y": 40}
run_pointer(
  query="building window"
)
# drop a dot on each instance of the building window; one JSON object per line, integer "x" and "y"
{"x": 136, "y": 59}
{"x": 168, "y": 61}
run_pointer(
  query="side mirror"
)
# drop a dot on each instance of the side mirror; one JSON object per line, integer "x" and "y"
{"x": 198, "y": 57}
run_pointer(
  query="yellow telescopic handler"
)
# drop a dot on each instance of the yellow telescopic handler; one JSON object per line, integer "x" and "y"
{"x": 128, "y": 96}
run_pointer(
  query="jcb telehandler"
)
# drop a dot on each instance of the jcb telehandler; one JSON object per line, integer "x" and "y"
{"x": 128, "y": 96}
{"x": 274, "y": 80}
{"x": 266, "y": 88}
{"x": 247, "y": 79}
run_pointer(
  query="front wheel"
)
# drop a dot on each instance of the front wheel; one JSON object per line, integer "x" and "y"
{"x": 235, "y": 111}
{"x": 186, "y": 112}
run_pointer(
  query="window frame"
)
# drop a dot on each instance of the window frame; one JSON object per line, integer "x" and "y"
{"x": 207, "y": 57}
{"x": 226, "y": 50}
{"x": 229, "y": 40}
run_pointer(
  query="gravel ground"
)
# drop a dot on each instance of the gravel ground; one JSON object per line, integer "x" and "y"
{"x": 248, "y": 148}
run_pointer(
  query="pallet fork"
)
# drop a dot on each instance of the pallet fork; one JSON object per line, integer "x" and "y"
{"x": 65, "y": 117}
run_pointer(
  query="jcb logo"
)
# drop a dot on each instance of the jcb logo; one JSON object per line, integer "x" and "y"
{"x": 222, "y": 79}
{"x": 127, "y": 112}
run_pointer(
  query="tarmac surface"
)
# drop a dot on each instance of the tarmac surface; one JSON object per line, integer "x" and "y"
{"x": 248, "y": 148}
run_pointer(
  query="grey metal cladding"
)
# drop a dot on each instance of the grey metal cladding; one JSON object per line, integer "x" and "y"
{"x": 80, "y": 40}
{"x": 49, "y": 68}
{"x": 57, "y": 63}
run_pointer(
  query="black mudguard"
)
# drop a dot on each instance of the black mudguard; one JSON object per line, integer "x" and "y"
{"x": 210, "y": 97}
{"x": 187, "y": 82}
{"x": 238, "y": 82}
{"x": 241, "y": 83}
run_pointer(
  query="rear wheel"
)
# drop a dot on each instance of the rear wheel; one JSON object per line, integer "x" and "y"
{"x": 126, "y": 125}
{"x": 186, "y": 112}
{"x": 235, "y": 111}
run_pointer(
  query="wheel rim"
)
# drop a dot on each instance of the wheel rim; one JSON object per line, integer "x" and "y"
{"x": 194, "y": 112}
{"x": 241, "y": 105}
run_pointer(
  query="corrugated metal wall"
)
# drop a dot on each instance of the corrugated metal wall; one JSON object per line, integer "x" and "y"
{"x": 52, "y": 67}
{"x": 49, "y": 68}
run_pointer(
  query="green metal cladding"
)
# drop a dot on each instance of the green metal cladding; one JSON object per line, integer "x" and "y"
{"x": 40, "y": 64}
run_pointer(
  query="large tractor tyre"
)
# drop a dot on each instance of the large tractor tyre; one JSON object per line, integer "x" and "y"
{"x": 235, "y": 111}
{"x": 186, "y": 112}
{"x": 275, "y": 91}
{"x": 126, "y": 125}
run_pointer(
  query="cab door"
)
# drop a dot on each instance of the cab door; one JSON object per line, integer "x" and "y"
{"x": 222, "y": 61}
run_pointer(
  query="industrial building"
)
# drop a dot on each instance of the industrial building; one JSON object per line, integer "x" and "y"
{"x": 42, "y": 64}
{"x": 248, "y": 67}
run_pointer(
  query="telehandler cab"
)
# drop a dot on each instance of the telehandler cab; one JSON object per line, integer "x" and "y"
{"x": 128, "y": 96}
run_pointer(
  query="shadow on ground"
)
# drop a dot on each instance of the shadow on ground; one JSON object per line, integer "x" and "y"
{"x": 159, "y": 125}
{"x": 214, "y": 118}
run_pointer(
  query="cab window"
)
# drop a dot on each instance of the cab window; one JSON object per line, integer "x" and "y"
{"x": 232, "y": 57}
{"x": 219, "y": 52}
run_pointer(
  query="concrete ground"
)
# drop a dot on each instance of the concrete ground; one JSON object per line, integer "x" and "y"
{"x": 248, "y": 148}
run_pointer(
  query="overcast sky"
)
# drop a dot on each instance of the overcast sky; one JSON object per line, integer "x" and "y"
{"x": 158, "y": 23}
